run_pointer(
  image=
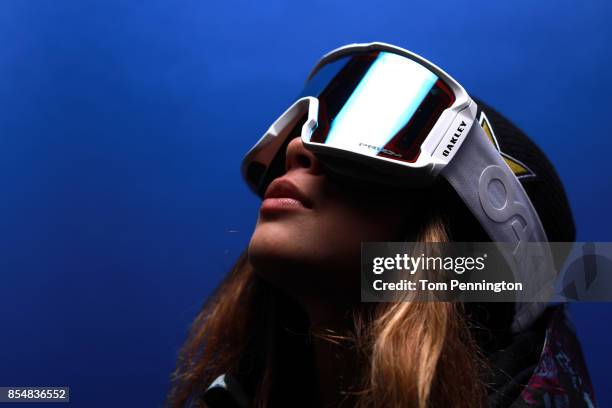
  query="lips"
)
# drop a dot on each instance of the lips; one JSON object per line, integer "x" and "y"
{"x": 283, "y": 194}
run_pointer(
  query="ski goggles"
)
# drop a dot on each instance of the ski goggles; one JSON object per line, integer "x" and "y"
{"x": 380, "y": 113}
{"x": 373, "y": 112}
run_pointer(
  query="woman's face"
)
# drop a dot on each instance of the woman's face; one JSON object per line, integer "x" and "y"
{"x": 308, "y": 235}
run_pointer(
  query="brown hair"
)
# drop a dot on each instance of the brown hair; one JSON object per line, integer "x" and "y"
{"x": 411, "y": 354}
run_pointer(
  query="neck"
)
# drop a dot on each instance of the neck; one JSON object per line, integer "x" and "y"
{"x": 334, "y": 362}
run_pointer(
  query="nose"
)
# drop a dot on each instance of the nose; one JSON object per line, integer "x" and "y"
{"x": 298, "y": 157}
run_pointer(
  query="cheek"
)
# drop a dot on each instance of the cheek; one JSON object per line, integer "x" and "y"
{"x": 330, "y": 235}
{"x": 353, "y": 224}
{"x": 320, "y": 251}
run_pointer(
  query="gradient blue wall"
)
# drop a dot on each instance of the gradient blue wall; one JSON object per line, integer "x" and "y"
{"x": 122, "y": 125}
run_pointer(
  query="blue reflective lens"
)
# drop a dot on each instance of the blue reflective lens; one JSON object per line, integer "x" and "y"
{"x": 377, "y": 104}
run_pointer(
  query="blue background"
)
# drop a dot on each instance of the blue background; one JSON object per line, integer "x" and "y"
{"x": 122, "y": 125}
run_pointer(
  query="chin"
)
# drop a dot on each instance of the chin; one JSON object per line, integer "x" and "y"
{"x": 269, "y": 250}
{"x": 288, "y": 263}
{"x": 285, "y": 238}
{"x": 279, "y": 257}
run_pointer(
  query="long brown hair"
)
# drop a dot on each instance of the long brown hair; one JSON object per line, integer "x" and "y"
{"x": 411, "y": 354}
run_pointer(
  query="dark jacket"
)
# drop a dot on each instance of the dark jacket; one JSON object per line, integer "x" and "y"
{"x": 540, "y": 367}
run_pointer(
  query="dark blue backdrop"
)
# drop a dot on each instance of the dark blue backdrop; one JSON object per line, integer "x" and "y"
{"x": 122, "y": 125}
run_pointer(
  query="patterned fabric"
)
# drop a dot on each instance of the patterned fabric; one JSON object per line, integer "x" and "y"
{"x": 561, "y": 378}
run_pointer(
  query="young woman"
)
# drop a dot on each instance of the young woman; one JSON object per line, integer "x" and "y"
{"x": 287, "y": 328}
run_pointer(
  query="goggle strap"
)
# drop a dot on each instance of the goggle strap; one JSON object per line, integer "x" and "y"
{"x": 498, "y": 200}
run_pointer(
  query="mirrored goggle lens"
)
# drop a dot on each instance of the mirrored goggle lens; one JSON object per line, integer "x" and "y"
{"x": 377, "y": 104}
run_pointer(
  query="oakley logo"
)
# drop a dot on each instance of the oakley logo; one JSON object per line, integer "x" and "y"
{"x": 380, "y": 149}
{"x": 454, "y": 139}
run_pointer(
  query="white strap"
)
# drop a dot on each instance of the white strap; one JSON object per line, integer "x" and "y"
{"x": 497, "y": 199}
